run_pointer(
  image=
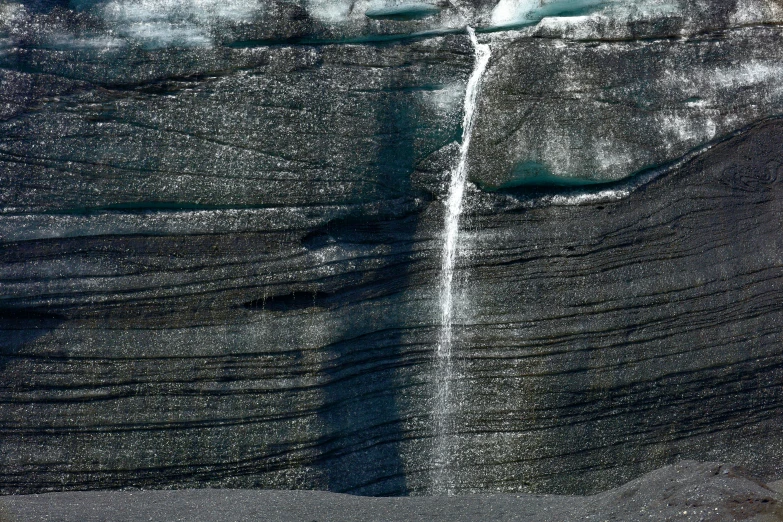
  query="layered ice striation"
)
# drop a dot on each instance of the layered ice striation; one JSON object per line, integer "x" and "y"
{"x": 222, "y": 231}
{"x": 585, "y": 100}
{"x": 159, "y": 24}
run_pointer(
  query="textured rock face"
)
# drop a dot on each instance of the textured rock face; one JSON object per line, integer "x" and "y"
{"x": 221, "y": 244}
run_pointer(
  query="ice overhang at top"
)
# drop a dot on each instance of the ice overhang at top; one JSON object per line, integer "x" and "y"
{"x": 155, "y": 24}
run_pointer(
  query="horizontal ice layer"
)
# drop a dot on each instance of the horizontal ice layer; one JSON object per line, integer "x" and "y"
{"x": 608, "y": 337}
{"x": 603, "y": 110}
{"x": 279, "y": 126}
{"x": 163, "y": 24}
{"x": 512, "y": 12}
{"x": 564, "y": 95}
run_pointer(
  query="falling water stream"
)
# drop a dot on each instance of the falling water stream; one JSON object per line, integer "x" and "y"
{"x": 442, "y": 450}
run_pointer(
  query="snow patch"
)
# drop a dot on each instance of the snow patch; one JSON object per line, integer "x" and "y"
{"x": 557, "y": 152}
{"x": 756, "y": 11}
{"x": 642, "y": 10}
{"x": 509, "y": 12}
{"x": 10, "y": 13}
{"x": 608, "y": 158}
{"x": 751, "y": 73}
{"x": 446, "y": 99}
{"x": 96, "y": 43}
{"x": 689, "y": 128}
{"x": 515, "y": 12}
{"x": 11, "y": 17}
{"x": 167, "y": 23}
{"x": 157, "y": 35}
{"x": 576, "y": 27}
{"x": 696, "y": 103}
{"x": 179, "y": 10}
{"x": 336, "y": 11}
{"x": 330, "y": 10}
{"x": 589, "y": 197}
{"x": 577, "y": 17}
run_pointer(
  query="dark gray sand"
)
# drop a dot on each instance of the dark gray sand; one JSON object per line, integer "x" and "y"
{"x": 691, "y": 491}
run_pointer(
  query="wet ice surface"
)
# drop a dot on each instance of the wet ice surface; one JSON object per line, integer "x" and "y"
{"x": 169, "y": 168}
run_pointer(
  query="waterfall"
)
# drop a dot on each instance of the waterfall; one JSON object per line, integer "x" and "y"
{"x": 442, "y": 451}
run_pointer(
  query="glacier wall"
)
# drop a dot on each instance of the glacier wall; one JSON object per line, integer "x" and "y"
{"x": 222, "y": 231}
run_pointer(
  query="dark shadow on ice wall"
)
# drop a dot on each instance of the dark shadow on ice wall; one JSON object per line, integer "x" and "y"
{"x": 362, "y": 424}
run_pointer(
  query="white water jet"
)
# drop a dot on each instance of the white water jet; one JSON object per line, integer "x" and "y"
{"x": 442, "y": 451}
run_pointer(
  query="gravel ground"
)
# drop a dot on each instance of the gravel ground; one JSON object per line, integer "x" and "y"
{"x": 688, "y": 491}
